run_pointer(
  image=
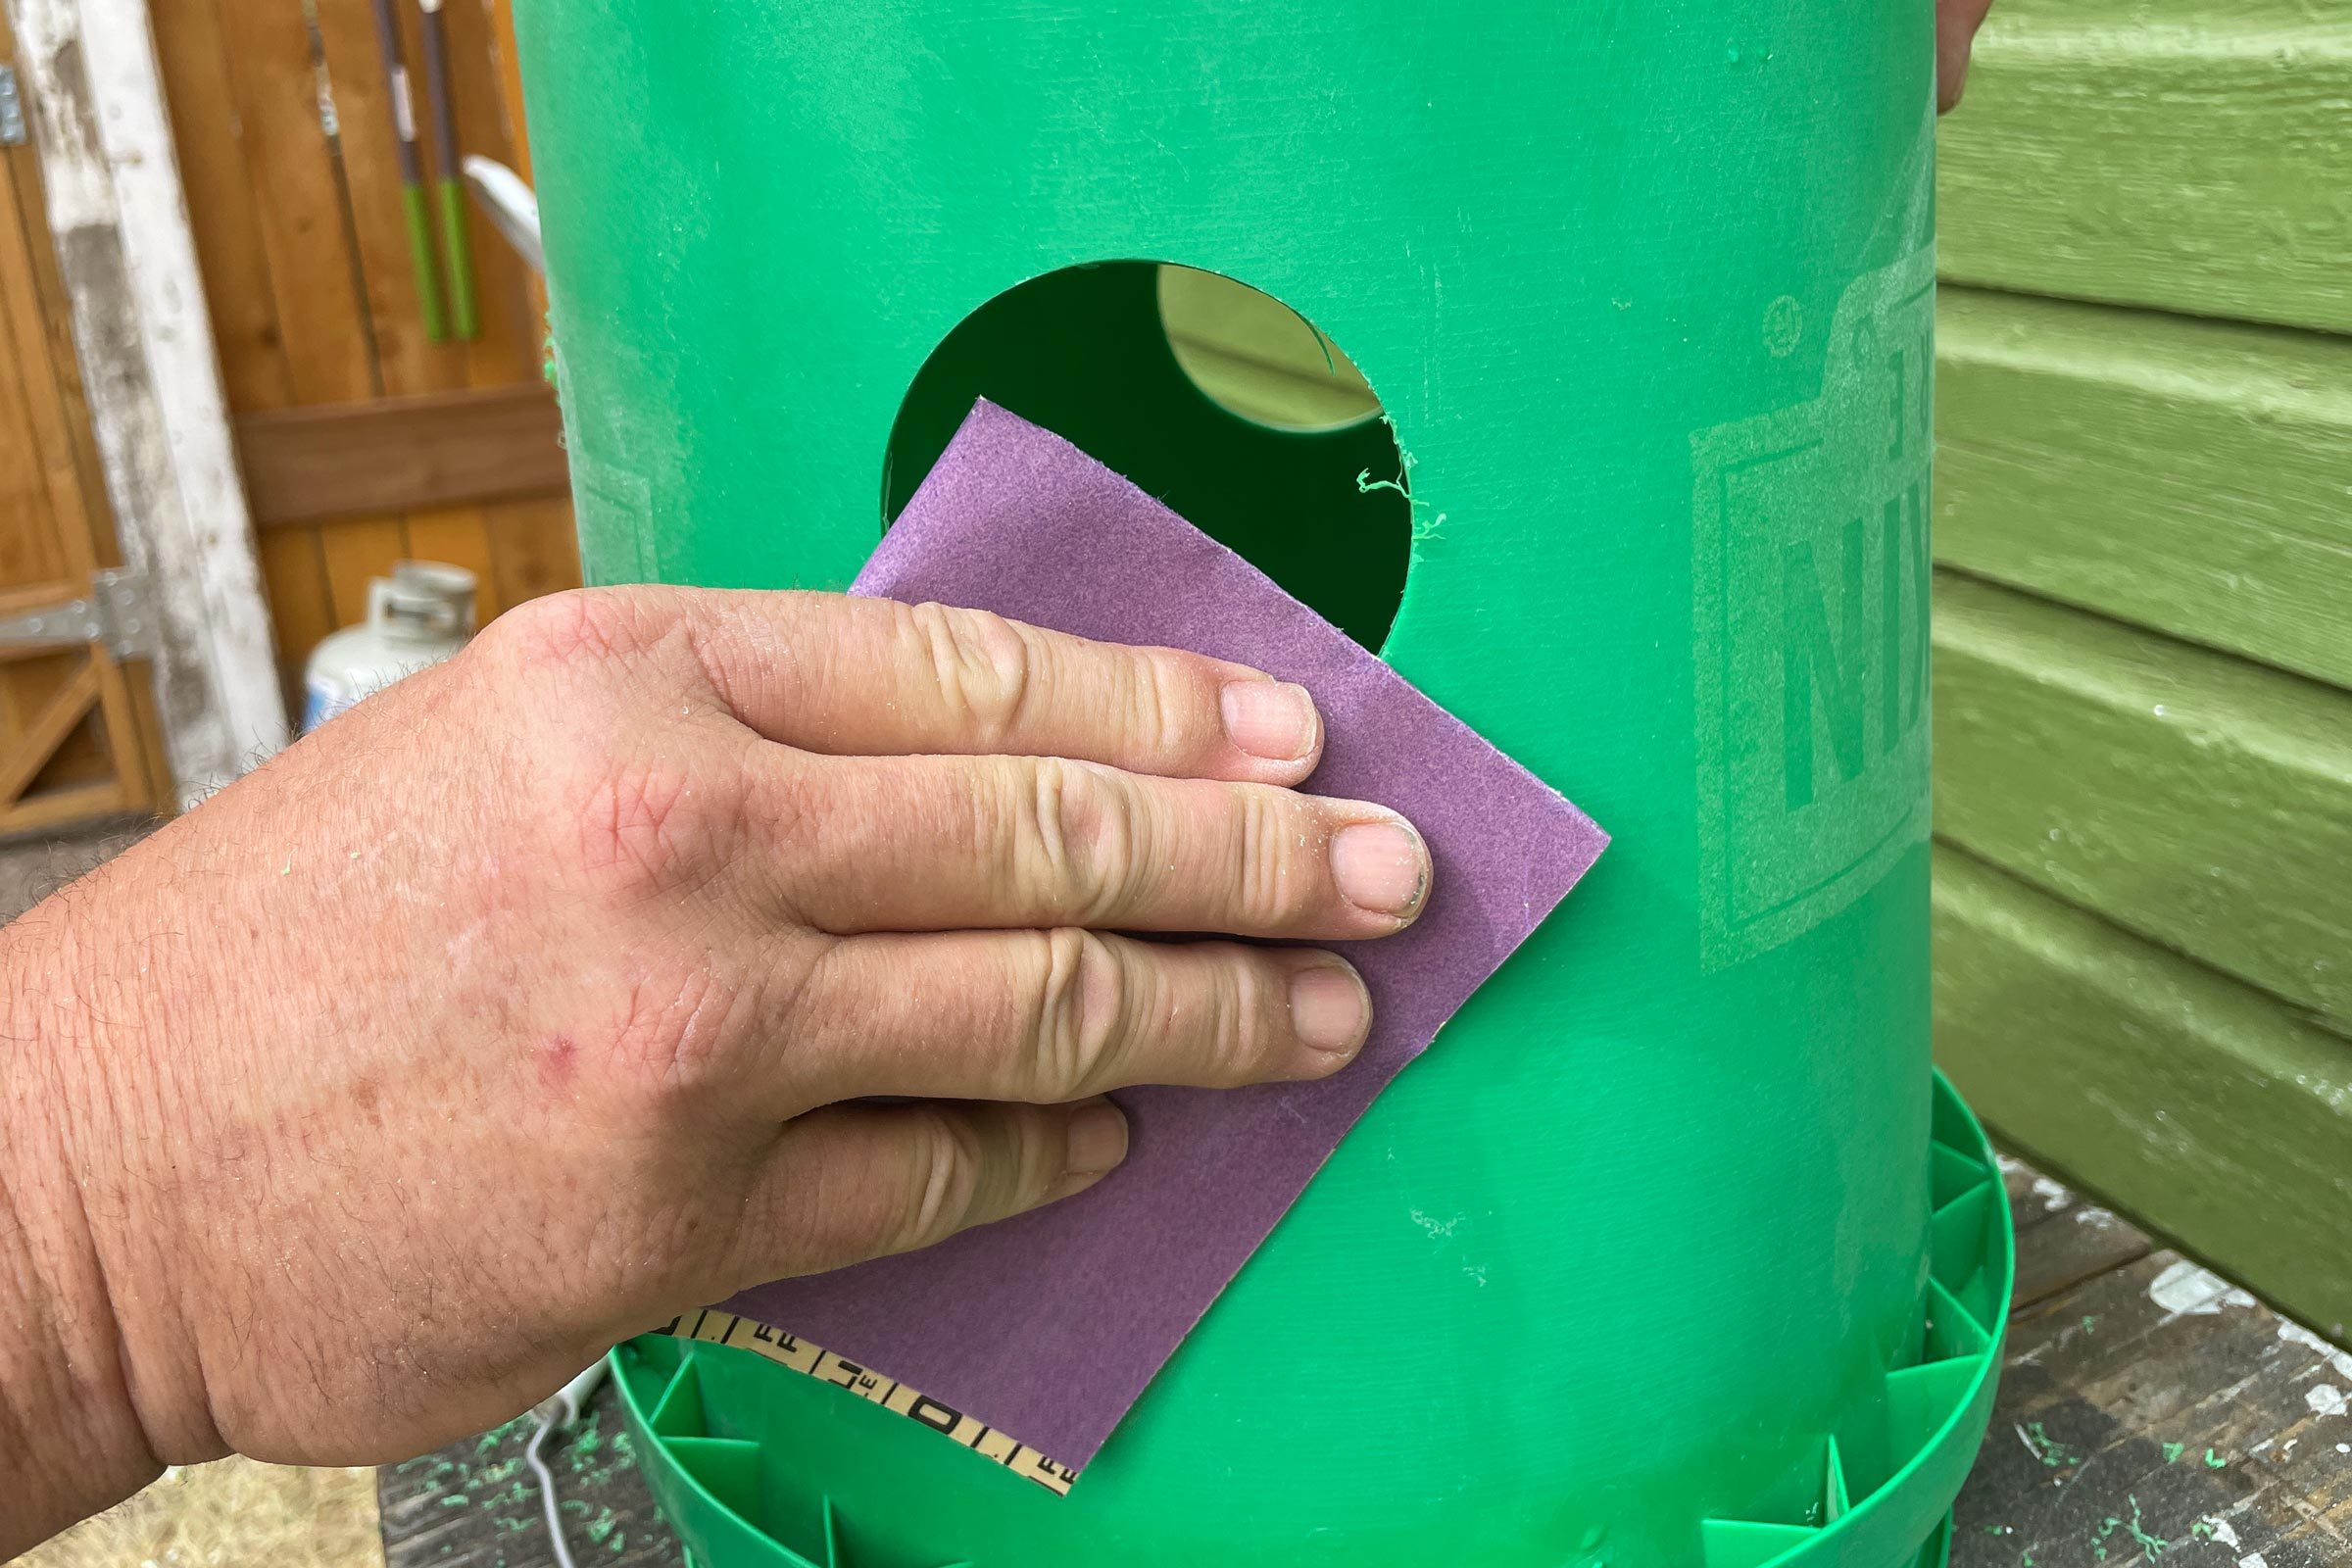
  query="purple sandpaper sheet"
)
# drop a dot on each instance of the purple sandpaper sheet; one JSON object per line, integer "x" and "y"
{"x": 1048, "y": 1326}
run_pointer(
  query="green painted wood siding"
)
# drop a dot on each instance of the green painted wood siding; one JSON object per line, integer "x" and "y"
{"x": 2186, "y": 475}
{"x": 2143, "y": 640}
{"x": 2188, "y": 155}
{"x": 2201, "y": 802}
{"x": 2196, "y": 1099}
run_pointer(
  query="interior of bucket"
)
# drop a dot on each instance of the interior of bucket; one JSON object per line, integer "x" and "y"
{"x": 1219, "y": 400}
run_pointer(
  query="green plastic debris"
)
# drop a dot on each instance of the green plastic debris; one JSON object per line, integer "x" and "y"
{"x": 2048, "y": 1449}
{"x": 2152, "y": 1544}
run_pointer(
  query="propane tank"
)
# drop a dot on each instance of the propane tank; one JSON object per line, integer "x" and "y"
{"x": 419, "y": 615}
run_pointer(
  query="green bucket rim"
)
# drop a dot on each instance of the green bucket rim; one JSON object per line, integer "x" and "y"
{"x": 1902, "y": 1522}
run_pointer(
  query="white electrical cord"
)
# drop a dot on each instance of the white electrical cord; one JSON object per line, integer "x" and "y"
{"x": 556, "y": 1412}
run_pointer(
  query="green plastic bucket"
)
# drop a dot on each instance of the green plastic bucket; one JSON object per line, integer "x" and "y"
{"x": 758, "y": 1466}
{"x": 1671, "y": 1253}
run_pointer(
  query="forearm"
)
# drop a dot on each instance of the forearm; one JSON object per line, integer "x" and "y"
{"x": 71, "y": 1439}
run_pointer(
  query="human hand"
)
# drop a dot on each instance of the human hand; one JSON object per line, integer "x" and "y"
{"x": 1956, "y": 24}
{"x": 533, "y": 1001}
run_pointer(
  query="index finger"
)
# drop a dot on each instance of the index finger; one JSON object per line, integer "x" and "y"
{"x": 851, "y": 676}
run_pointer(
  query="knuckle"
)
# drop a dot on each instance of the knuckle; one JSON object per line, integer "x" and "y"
{"x": 1077, "y": 843}
{"x": 576, "y": 623}
{"x": 1274, "y": 887}
{"x": 671, "y": 1024}
{"x": 947, "y": 1160}
{"x": 1164, "y": 704}
{"x": 1238, "y": 1033}
{"x": 1076, "y": 1022}
{"x": 640, "y": 824}
{"x": 1260, "y": 1013}
{"x": 983, "y": 666}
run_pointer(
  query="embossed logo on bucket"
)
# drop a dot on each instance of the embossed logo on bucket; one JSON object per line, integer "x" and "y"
{"x": 1810, "y": 583}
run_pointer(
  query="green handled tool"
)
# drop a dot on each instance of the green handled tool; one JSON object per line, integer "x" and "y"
{"x": 448, "y": 193}
{"x": 412, "y": 176}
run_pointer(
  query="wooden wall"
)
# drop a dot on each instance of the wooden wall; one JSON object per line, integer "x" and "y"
{"x": 78, "y": 738}
{"x": 362, "y": 441}
{"x": 2143, "y": 638}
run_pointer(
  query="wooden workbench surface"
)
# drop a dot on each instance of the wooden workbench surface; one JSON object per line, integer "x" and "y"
{"x": 2146, "y": 1409}
{"x": 2149, "y": 1410}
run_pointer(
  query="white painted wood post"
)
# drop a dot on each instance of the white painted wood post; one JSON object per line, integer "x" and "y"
{"x": 120, "y": 219}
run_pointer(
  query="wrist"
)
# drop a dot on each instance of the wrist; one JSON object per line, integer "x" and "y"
{"x": 71, "y": 1439}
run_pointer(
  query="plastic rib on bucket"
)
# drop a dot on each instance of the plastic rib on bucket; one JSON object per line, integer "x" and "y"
{"x": 1672, "y": 1252}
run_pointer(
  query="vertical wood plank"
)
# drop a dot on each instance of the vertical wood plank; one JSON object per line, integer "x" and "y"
{"x": 407, "y": 361}
{"x": 223, "y": 205}
{"x": 518, "y": 145}
{"x": 356, "y": 552}
{"x": 28, "y": 543}
{"x": 507, "y": 350}
{"x": 224, "y": 210}
{"x": 42, "y": 363}
{"x": 76, "y": 480}
{"x": 461, "y": 537}
{"x": 162, "y": 790}
{"x": 406, "y": 358}
{"x": 510, "y": 84}
{"x": 294, "y": 571}
{"x": 531, "y": 549}
{"x": 534, "y": 550}
{"x": 313, "y": 274}
{"x": 308, "y": 234}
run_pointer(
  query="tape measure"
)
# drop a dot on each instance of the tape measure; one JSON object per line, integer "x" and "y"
{"x": 713, "y": 1327}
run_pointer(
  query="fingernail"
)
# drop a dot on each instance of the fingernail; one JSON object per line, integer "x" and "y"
{"x": 1380, "y": 866}
{"x": 1270, "y": 718}
{"x": 1098, "y": 1139}
{"x": 1330, "y": 1010}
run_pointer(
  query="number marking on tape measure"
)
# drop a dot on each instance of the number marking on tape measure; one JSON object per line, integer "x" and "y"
{"x": 711, "y": 1327}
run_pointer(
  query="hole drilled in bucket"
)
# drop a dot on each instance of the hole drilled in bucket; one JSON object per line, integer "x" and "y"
{"x": 1226, "y": 409}
{"x": 1253, "y": 356}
